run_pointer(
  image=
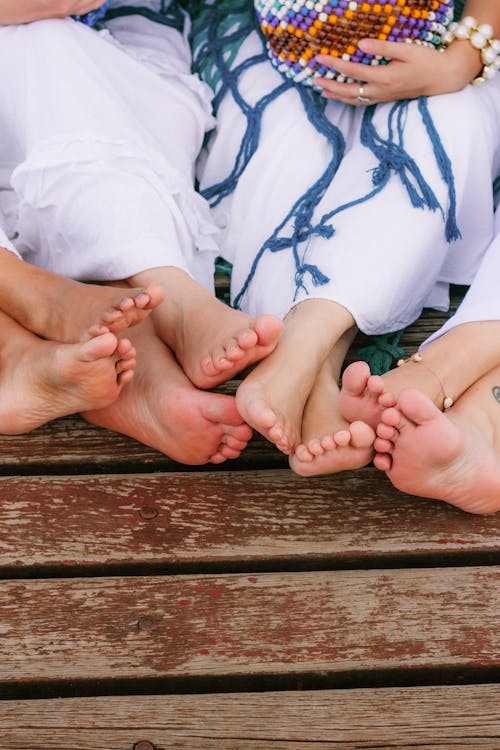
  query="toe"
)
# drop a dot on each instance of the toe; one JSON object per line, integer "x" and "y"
{"x": 125, "y": 304}
{"x": 387, "y": 400}
{"x": 247, "y": 339}
{"x": 362, "y": 435}
{"x": 342, "y": 438}
{"x": 383, "y": 446}
{"x": 303, "y": 454}
{"x": 375, "y": 386}
{"x": 328, "y": 443}
{"x": 391, "y": 417}
{"x": 355, "y": 378}
{"x": 386, "y": 432}
{"x": 228, "y": 452}
{"x": 382, "y": 461}
{"x": 125, "y": 377}
{"x": 217, "y": 458}
{"x": 234, "y": 443}
{"x": 314, "y": 446}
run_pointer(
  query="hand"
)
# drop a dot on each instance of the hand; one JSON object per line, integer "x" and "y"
{"x": 414, "y": 71}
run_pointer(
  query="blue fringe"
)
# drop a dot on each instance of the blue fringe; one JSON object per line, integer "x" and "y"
{"x": 218, "y": 32}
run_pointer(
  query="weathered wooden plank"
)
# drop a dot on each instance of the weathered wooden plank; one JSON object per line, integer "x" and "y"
{"x": 437, "y": 718}
{"x": 231, "y": 625}
{"x": 75, "y": 446}
{"x": 229, "y": 517}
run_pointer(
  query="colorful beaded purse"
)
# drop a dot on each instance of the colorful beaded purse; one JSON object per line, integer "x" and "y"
{"x": 298, "y": 30}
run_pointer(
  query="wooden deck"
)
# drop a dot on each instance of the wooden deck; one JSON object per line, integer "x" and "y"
{"x": 145, "y": 605}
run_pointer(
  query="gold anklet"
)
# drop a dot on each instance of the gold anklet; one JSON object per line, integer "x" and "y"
{"x": 417, "y": 357}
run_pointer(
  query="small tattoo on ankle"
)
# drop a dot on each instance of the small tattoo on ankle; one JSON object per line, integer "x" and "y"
{"x": 496, "y": 393}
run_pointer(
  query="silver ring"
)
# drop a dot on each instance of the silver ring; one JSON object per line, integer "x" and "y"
{"x": 361, "y": 98}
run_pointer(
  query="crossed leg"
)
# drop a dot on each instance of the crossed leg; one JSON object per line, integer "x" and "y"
{"x": 329, "y": 443}
{"x": 42, "y": 380}
{"x": 272, "y": 398}
{"x": 163, "y": 409}
{"x": 211, "y": 341}
{"x": 443, "y": 371}
{"x": 63, "y": 310}
{"x": 454, "y": 456}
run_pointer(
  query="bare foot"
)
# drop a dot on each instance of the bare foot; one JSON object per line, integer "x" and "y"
{"x": 273, "y": 397}
{"x": 329, "y": 443}
{"x": 349, "y": 448}
{"x": 41, "y": 380}
{"x": 161, "y": 408}
{"x": 364, "y": 396}
{"x": 63, "y": 310}
{"x": 211, "y": 341}
{"x": 444, "y": 457}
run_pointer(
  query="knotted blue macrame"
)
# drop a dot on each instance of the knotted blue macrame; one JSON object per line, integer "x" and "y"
{"x": 219, "y": 30}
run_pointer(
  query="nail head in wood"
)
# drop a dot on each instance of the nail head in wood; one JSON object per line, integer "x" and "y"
{"x": 148, "y": 512}
{"x": 145, "y": 623}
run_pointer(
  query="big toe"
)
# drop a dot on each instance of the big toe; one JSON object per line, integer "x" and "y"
{"x": 355, "y": 378}
{"x": 268, "y": 329}
{"x": 362, "y": 435}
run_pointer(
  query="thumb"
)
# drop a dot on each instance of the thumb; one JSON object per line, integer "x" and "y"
{"x": 392, "y": 50}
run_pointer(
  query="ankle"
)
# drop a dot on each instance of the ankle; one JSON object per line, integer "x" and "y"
{"x": 437, "y": 389}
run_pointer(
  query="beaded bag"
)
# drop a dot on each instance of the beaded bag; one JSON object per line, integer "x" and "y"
{"x": 298, "y": 30}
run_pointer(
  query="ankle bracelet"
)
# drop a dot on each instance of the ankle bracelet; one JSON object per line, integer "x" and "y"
{"x": 418, "y": 359}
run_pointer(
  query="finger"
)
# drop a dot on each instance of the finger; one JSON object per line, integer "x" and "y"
{"x": 343, "y": 92}
{"x": 357, "y": 71}
{"x": 390, "y": 50}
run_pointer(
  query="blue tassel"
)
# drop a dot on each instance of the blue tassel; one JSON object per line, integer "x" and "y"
{"x": 94, "y": 16}
{"x": 444, "y": 164}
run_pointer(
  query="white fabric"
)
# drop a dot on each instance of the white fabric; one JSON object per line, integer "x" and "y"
{"x": 102, "y": 130}
{"x": 482, "y": 301}
{"x": 387, "y": 259}
{"x": 5, "y": 242}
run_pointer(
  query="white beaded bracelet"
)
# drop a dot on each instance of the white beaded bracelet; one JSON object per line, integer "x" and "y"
{"x": 481, "y": 38}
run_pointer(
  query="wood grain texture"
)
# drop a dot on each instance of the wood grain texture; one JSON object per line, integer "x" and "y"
{"x": 74, "y": 446}
{"x": 228, "y": 517}
{"x": 233, "y": 625}
{"x": 458, "y": 717}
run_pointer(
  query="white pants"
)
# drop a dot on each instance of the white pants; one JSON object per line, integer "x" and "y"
{"x": 387, "y": 259}
{"x": 482, "y": 301}
{"x": 100, "y": 133}
{"x": 5, "y": 242}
